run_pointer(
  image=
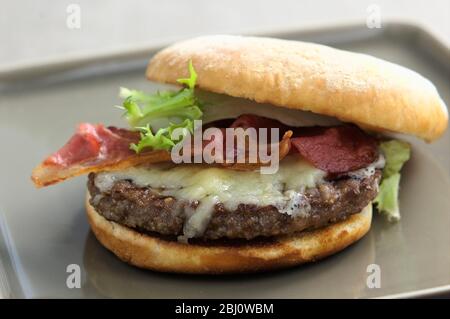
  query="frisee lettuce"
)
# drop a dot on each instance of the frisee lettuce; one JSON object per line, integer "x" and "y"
{"x": 396, "y": 153}
{"x": 162, "y": 139}
{"x": 157, "y": 115}
{"x": 192, "y": 79}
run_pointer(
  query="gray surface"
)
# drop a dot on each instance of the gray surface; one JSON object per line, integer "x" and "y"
{"x": 35, "y": 30}
{"x": 45, "y": 230}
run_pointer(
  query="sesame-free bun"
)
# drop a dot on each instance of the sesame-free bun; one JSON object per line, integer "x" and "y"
{"x": 155, "y": 253}
{"x": 352, "y": 87}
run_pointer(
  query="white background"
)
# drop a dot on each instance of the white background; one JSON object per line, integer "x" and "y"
{"x": 36, "y": 30}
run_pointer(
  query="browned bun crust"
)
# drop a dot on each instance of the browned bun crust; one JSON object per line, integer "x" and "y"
{"x": 158, "y": 254}
{"x": 352, "y": 87}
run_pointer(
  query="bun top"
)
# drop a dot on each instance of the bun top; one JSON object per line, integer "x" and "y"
{"x": 352, "y": 87}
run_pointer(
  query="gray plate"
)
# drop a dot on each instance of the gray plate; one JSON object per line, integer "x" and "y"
{"x": 43, "y": 231}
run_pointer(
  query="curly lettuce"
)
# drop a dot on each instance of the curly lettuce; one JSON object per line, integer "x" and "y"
{"x": 396, "y": 153}
{"x": 157, "y": 115}
{"x": 162, "y": 139}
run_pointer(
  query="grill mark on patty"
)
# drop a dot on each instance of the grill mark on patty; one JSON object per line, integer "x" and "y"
{"x": 143, "y": 208}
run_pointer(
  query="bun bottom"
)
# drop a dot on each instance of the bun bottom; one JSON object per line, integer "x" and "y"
{"x": 158, "y": 254}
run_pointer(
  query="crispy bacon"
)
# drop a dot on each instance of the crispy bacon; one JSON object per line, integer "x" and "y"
{"x": 94, "y": 143}
{"x": 93, "y": 148}
{"x": 337, "y": 149}
{"x": 284, "y": 147}
{"x": 246, "y": 121}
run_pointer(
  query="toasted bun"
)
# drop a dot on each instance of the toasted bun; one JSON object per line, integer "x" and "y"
{"x": 352, "y": 87}
{"x": 154, "y": 253}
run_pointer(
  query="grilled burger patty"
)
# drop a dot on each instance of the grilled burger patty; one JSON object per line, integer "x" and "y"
{"x": 143, "y": 208}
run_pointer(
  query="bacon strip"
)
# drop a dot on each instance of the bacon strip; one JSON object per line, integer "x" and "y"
{"x": 284, "y": 147}
{"x": 337, "y": 149}
{"x": 94, "y": 143}
{"x": 246, "y": 121}
{"x": 93, "y": 148}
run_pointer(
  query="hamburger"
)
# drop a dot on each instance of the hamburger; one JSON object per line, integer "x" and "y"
{"x": 337, "y": 116}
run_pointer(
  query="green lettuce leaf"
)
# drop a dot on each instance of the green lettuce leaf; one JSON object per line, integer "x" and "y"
{"x": 162, "y": 139}
{"x": 157, "y": 115}
{"x": 192, "y": 79}
{"x": 387, "y": 198}
{"x": 396, "y": 153}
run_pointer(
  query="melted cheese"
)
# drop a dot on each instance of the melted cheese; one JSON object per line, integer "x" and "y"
{"x": 210, "y": 185}
{"x": 369, "y": 170}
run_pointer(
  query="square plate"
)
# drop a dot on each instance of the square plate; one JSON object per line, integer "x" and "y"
{"x": 44, "y": 231}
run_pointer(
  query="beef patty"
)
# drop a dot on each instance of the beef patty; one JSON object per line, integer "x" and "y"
{"x": 144, "y": 209}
